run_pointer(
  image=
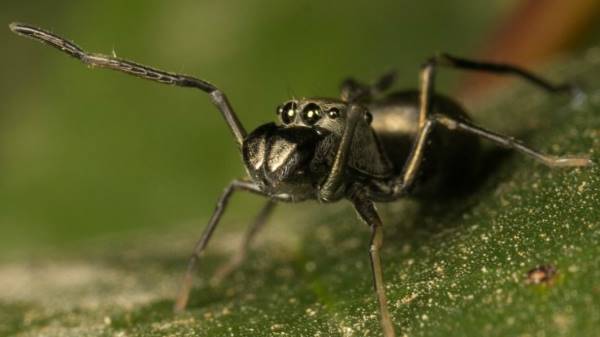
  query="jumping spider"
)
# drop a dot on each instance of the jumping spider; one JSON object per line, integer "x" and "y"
{"x": 364, "y": 147}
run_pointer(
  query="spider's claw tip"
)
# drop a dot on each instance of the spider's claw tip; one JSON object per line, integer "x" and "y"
{"x": 17, "y": 27}
{"x": 14, "y": 26}
{"x": 582, "y": 162}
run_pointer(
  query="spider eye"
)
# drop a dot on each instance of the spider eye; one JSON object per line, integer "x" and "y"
{"x": 287, "y": 112}
{"x": 333, "y": 113}
{"x": 311, "y": 113}
{"x": 368, "y": 117}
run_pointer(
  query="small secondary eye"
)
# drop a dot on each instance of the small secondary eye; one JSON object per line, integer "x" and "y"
{"x": 311, "y": 113}
{"x": 333, "y": 113}
{"x": 287, "y": 112}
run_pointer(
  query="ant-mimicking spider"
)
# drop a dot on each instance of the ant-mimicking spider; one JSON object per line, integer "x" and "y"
{"x": 363, "y": 147}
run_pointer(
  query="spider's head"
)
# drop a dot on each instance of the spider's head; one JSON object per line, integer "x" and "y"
{"x": 279, "y": 156}
{"x": 325, "y": 115}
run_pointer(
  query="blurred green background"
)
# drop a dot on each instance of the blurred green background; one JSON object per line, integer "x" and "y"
{"x": 87, "y": 153}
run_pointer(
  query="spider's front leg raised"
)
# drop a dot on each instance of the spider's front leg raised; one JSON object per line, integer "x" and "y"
{"x": 164, "y": 77}
{"x": 138, "y": 70}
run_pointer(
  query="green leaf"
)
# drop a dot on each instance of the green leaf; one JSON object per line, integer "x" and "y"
{"x": 453, "y": 268}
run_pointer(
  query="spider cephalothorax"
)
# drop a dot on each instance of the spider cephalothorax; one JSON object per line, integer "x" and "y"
{"x": 295, "y": 156}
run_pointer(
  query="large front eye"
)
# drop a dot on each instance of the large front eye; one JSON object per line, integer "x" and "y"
{"x": 311, "y": 113}
{"x": 287, "y": 112}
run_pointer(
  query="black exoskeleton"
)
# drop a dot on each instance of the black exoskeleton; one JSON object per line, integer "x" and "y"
{"x": 365, "y": 147}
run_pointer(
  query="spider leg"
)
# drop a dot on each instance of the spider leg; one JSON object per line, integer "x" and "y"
{"x": 427, "y": 121}
{"x": 512, "y": 143}
{"x": 448, "y": 60}
{"x": 237, "y": 259}
{"x": 384, "y": 82}
{"x": 411, "y": 167}
{"x": 186, "y": 285}
{"x": 353, "y": 90}
{"x": 149, "y": 73}
{"x": 367, "y": 213}
{"x": 330, "y": 189}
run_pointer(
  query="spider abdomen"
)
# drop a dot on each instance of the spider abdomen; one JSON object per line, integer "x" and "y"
{"x": 451, "y": 157}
